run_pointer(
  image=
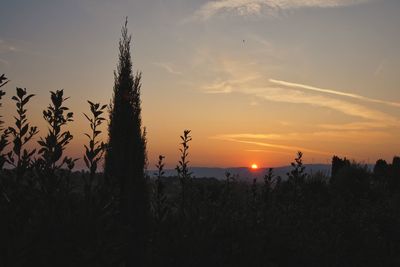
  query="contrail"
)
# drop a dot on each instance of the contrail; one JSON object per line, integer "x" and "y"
{"x": 263, "y": 144}
{"x": 333, "y": 92}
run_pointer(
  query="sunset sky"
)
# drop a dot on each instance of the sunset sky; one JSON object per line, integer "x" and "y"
{"x": 255, "y": 80}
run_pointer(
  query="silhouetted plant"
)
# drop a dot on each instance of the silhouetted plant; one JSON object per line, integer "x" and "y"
{"x": 3, "y": 133}
{"x": 54, "y": 144}
{"x": 95, "y": 149}
{"x": 3, "y": 81}
{"x": 22, "y": 133}
{"x": 267, "y": 187}
{"x": 183, "y": 169}
{"x": 3, "y": 144}
{"x": 297, "y": 174}
{"x": 160, "y": 205}
{"x": 229, "y": 179}
{"x": 254, "y": 202}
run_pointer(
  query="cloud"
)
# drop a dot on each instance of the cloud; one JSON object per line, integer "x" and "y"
{"x": 334, "y": 92}
{"x": 326, "y": 137}
{"x": 250, "y": 136}
{"x": 297, "y": 97}
{"x": 269, "y": 151}
{"x": 258, "y": 7}
{"x": 283, "y": 95}
{"x": 228, "y": 86}
{"x": 358, "y": 126}
{"x": 241, "y": 139}
{"x": 352, "y": 135}
{"x": 168, "y": 67}
{"x": 249, "y": 79}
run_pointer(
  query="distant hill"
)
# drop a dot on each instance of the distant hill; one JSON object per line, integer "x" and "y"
{"x": 246, "y": 173}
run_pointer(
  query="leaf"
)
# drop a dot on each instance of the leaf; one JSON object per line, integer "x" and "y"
{"x": 21, "y": 92}
{"x": 24, "y": 130}
{"x": 26, "y": 100}
{"x": 87, "y": 117}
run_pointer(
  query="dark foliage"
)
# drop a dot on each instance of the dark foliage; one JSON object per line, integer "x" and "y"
{"x": 305, "y": 220}
{"x": 95, "y": 149}
{"x": 183, "y": 171}
{"x": 22, "y": 133}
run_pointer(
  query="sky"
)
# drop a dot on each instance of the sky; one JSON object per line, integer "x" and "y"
{"x": 254, "y": 80}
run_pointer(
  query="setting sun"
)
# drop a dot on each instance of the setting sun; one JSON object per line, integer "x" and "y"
{"x": 254, "y": 166}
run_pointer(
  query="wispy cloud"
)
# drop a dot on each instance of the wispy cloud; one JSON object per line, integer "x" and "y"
{"x": 274, "y": 141}
{"x": 269, "y": 151}
{"x": 334, "y": 92}
{"x": 257, "y": 7}
{"x": 169, "y": 67}
{"x": 250, "y": 141}
{"x": 345, "y": 107}
{"x": 250, "y": 136}
{"x": 278, "y": 94}
{"x": 248, "y": 79}
{"x": 228, "y": 86}
{"x": 358, "y": 126}
{"x": 328, "y": 135}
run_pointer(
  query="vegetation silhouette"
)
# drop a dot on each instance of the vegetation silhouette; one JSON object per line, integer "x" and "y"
{"x": 51, "y": 215}
{"x": 125, "y": 158}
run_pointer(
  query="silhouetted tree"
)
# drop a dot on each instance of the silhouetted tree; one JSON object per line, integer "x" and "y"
{"x": 396, "y": 166}
{"x": 337, "y": 164}
{"x": 381, "y": 170}
{"x": 352, "y": 180}
{"x": 125, "y": 159}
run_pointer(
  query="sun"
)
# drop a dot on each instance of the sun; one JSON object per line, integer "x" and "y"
{"x": 254, "y": 166}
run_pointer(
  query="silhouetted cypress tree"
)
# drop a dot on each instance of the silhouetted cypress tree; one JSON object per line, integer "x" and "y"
{"x": 125, "y": 157}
